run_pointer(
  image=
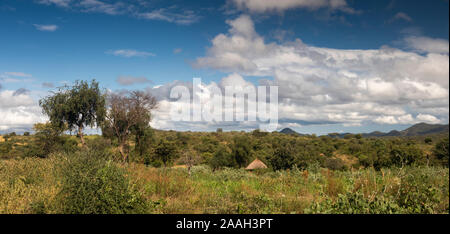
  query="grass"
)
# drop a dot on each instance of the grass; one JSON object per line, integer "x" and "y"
{"x": 30, "y": 185}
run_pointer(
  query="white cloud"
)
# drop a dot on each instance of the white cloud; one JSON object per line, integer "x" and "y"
{"x": 102, "y": 7}
{"x": 15, "y": 77}
{"x": 234, "y": 80}
{"x": 128, "y": 53}
{"x": 261, "y": 6}
{"x": 138, "y": 9}
{"x": 407, "y": 119}
{"x": 184, "y": 18}
{"x": 17, "y": 74}
{"x": 401, "y": 16}
{"x": 18, "y": 111}
{"x": 427, "y": 45}
{"x": 46, "y": 27}
{"x": 386, "y": 120}
{"x": 325, "y": 85}
{"x": 60, "y": 3}
{"x": 427, "y": 118}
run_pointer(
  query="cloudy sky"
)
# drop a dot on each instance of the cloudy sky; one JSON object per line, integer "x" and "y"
{"x": 340, "y": 65}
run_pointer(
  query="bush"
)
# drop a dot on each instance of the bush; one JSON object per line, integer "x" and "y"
{"x": 418, "y": 194}
{"x": 93, "y": 184}
{"x": 222, "y": 158}
{"x": 335, "y": 164}
{"x": 355, "y": 203}
{"x": 166, "y": 151}
{"x": 283, "y": 157}
{"x": 441, "y": 151}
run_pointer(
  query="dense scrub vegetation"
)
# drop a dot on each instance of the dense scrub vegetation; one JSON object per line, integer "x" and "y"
{"x": 305, "y": 175}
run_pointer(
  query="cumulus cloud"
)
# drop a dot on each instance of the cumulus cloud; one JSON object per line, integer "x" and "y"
{"x": 427, "y": 118}
{"x": 128, "y": 53}
{"x": 427, "y": 45}
{"x": 130, "y": 80}
{"x": 18, "y": 111}
{"x": 261, "y": 6}
{"x": 316, "y": 84}
{"x": 46, "y": 27}
{"x": 204, "y": 92}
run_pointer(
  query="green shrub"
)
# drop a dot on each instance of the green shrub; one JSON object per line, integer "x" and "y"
{"x": 355, "y": 203}
{"x": 441, "y": 151}
{"x": 93, "y": 184}
{"x": 417, "y": 194}
{"x": 222, "y": 158}
{"x": 335, "y": 164}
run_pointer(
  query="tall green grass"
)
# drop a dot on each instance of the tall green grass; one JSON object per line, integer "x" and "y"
{"x": 85, "y": 183}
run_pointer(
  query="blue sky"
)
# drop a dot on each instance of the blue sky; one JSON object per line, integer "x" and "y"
{"x": 44, "y": 43}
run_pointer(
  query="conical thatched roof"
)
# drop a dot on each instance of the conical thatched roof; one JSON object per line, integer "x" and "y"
{"x": 256, "y": 164}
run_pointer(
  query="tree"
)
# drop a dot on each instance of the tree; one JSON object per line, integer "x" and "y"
{"x": 441, "y": 151}
{"x": 165, "y": 151}
{"x": 144, "y": 139}
{"x": 77, "y": 106}
{"x": 221, "y": 158}
{"x": 241, "y": 150}
{"x": 283, "y": 157}
{"x": 189, "y": 158}
{"x": 127, "y": 112}
{"x": 403, "y": 155}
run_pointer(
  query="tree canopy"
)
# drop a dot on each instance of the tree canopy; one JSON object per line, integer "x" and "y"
{"x": 77, "y": 106}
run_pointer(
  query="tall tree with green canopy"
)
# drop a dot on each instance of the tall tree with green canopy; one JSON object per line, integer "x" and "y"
{"x": 77, "y": 106}
{"x": 241, "y": 150}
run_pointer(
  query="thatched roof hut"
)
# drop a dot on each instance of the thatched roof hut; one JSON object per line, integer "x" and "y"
{"x": 256, "y": 164}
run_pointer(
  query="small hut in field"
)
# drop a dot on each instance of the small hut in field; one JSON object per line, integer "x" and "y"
{"x": 256, "y": 164}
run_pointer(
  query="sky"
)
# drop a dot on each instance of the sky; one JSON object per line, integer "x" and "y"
{"x": 340, "y": 65}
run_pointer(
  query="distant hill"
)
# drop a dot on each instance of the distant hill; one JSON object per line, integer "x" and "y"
{"x": 288, "y": 131}
{"x": 419, "y": 129}
{"x": 291, "y": 132}
{"x": 425, "y": 129}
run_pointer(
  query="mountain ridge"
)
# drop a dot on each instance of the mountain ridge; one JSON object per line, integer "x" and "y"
{"x": 419, "y": 129}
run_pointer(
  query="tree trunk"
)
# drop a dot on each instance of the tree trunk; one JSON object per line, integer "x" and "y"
{"x": 123, "y": 153}
{"x": 80, "y": 133}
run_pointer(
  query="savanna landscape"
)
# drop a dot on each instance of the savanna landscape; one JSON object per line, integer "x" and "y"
{"x": 272, "y": 107}
{"x": 133, "y": 168}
